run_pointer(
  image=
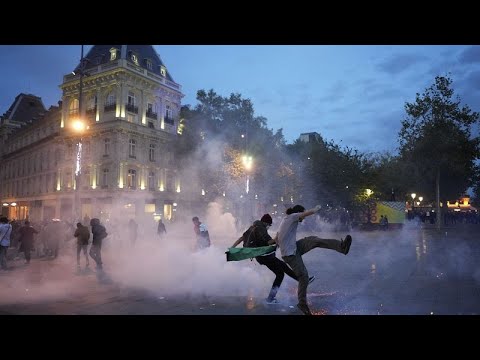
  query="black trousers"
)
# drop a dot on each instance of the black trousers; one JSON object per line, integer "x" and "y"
{"x": 278, "y": 267}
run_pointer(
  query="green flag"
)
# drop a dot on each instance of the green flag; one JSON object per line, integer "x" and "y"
{"x": 237, "y": 254}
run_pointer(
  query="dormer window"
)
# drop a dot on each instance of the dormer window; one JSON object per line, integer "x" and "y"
{"x": 163, "y": 71}
{"x": 149, "y": 64}
{"x": 135, "y": 59}
{"x": 113, "y": 54}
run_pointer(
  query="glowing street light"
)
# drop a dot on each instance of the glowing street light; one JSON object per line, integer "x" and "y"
{"x": 79, "y": 127}
{"x": 420, "y": 198}
{"x": 248, "y": 163}
{"x": 413, "y": 195}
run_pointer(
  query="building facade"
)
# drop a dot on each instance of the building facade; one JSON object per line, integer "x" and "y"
{"x": 120, "y": 164}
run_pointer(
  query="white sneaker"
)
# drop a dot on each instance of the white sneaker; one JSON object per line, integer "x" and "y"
{"x": 273, "y": 301}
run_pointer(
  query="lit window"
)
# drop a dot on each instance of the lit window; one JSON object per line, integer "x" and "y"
{"x": 163, "y": 71}
{"x": 113, "y": 54}
{"x": 132, "y": 179}
{"x": 73, "y": 108}
{"x": 135, "y": 59}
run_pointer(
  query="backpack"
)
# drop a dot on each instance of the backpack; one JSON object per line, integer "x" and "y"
{"x": 249, "y": 238}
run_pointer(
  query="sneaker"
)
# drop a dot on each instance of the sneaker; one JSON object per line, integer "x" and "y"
{"x": 311, "y": 279}
{"x": 345, "y": 246}
{"x": 271, "y": 301}
{"x": 304, "y": 309}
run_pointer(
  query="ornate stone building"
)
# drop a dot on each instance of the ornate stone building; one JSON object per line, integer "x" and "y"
{"x": 129, "y": 104}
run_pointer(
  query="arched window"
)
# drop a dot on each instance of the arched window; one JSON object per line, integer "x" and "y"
{"x": 132, "y": 179}
{"x": 73, "y": 107}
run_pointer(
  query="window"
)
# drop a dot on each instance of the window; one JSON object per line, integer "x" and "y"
{"x": 106, "y": 147}
{"x": 113, "y": 54}
{"x": 73, "y": 107}
{"x": 131, "y": 103}
{"x": 131, "y": 148}
{"x": 110, "y": 99}
{"x": 131, "y": 98}
{"x": 92, "y": 104}
{"x": 110, "y": 102}
{"x": 149, "y": 64}
{"x": 168, "y": 114}
{"x": 151, "y": 111}
{"x": 151, "y": 153}
{"x": 132, "y": 179}
{"x": 163, "y": 71}
{"x": 105, "y": 178}
{"x": 151, "y": 180}
{"x": 135, "y": 59}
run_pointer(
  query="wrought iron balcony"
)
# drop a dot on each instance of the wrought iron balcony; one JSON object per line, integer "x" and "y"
{"x": 110, "y": 107}
{"x": 132, "y": 108}
{"x": 151, "y": 115}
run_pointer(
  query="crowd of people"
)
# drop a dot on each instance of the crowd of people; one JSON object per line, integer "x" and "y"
{"x": 91, "y": 233}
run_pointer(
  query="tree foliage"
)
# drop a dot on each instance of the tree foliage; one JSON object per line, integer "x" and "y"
{"x": 436, "y": 143}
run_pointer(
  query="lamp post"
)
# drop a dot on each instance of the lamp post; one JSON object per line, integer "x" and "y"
{"x": 413, "y": 195}
{"x": 247, "y": 163}
{"x": 369, "y": 193}
{"x": 79, "y": 128}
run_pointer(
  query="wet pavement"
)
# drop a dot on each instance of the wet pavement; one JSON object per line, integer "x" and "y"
{"x": 409, "y": 272}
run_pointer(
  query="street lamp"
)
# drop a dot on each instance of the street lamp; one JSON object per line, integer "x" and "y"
{"x": 247, "y": 162}
{"x": 369, "y": 193}
{"x": 79, "y": 126}
{"x": 413, "y": 195}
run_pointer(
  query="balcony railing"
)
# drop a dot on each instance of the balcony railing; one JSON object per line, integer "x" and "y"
{"x": 110, "y": 107}
{"x": 151, "y": 115}
{"x": 168, "y": 120}
{"x": 132, "y": 108}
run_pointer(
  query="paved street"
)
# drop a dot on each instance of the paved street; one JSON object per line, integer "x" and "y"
{"x": 411, "y": 271}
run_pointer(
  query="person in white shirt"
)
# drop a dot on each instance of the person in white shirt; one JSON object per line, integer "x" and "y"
{"x": 292, "y": 250}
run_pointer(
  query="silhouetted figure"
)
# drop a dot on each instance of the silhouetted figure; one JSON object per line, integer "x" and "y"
{"x": 26, "y": 240}
{"x": 161, "y": 230}
{"x": 83, "y": 235}
{"x": 99, "y": 233}
{"x": 201, "y": 231}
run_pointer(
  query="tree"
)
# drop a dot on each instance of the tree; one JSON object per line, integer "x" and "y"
{"x": 435, "y": 139}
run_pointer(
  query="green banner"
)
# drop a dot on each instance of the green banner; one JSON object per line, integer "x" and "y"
{"x": 237, "y": 254}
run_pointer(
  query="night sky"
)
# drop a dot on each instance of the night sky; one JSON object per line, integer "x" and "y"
{"x": 354, "y": 95}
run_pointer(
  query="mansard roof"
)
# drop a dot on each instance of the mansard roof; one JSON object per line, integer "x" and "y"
{"x": 25, "y": 108}
{"x": 100, "y": 54}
